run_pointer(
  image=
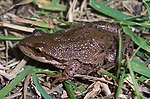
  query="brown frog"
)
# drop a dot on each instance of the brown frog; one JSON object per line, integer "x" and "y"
{"x": 81, "y": 49}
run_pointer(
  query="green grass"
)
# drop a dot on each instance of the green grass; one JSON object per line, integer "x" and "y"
{"x": 52, "y": 5}
{"x": 11, "y": 38}
{"x": 40, "y": 88}
{"x": 18, "y": 79}
{"x": 134, "y": 65}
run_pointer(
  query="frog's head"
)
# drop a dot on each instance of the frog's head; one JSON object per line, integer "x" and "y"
{"x": 35, "y": 47}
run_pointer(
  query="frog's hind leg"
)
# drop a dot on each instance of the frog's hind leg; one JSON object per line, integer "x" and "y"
{"x": 71, "y": 68}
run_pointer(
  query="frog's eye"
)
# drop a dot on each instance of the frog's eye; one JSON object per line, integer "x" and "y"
{"x": 38, "y": 50}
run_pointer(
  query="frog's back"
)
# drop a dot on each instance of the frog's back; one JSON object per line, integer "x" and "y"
{"x": 84, "y": 43}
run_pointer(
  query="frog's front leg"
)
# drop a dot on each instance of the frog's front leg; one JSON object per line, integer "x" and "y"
{"x": 71, "y": 68}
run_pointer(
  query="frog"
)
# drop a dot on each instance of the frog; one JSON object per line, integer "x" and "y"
{"x": 80, "y": 49}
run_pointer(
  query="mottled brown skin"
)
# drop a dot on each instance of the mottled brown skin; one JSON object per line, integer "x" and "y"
{"x": 81, "y": 49}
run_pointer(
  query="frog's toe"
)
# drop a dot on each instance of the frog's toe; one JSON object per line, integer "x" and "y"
{"x": 60, "y": 78}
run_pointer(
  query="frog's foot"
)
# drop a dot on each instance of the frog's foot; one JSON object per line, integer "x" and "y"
{"x": 71, "y": 68}
{"x": 60, "y": 78}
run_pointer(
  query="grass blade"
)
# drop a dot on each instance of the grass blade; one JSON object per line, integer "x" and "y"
{"x": 138, "y": 40}
{"x": 138, "y": 67}
{"x": 119, "y": 54}
{"x": 120, "y": 84}
{"x": 133, "y": 78}
{"x": 39, "y": 87}
{"x": 4, "y": 91}
{"x": 116, "y": 14}
{"x": 12, "y": 38}
{"x": 69, "y": 90}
